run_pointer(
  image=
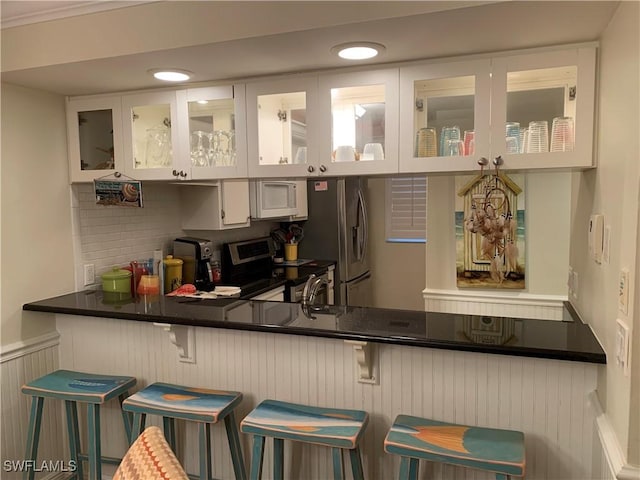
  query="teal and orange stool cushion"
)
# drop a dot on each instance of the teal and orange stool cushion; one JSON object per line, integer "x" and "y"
{"x": 487, "y": 449}
{"x": 77, "y": 387}
{"x": 336, "y": 428}
{"x": 200, "y": 405}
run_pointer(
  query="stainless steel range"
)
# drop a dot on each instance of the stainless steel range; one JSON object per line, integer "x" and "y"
{"x": 249, "y": 265}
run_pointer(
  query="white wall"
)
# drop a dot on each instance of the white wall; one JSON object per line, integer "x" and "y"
{"x": 398, "y": 272}
{"x": 612, "y": 190}
{"x": 37, "y": 257}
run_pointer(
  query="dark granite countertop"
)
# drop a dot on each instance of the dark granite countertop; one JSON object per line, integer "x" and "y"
{"x": 569, "y": 339}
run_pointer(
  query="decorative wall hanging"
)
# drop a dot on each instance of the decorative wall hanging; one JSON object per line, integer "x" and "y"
{"x": 118, "y": 191}
{"x": 490, "y": 235}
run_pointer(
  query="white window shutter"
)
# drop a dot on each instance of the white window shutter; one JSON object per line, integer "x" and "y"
{"x": 406, "y": 209}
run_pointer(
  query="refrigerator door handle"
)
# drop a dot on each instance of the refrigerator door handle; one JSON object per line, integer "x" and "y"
{"x": 365, "y": 237}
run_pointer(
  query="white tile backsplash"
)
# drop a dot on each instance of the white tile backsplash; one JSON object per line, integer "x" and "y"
{"x": 109, "y": 236}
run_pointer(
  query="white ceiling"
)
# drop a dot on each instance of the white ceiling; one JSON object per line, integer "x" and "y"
{"x": 260, "y": 38}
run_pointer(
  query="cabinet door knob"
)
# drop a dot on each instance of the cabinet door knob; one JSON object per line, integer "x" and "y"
{"x": 483, "y": 162}
{"x": 323, "y": 168}
{"x": 498, "y": 161}
{"x": 183, "y": 174}
{"x": 310, "y": 169}
{"x": 175, "y": 173}
{"x": 117, "y": 174}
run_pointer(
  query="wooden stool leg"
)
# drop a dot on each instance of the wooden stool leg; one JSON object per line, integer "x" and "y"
{"x": 409, "y": 468}
{"x": 126, "y": 416}
{"x": 356, "y": 464}
{"x": 256, "y": 457}
{"x": 35, "y": 420}
{"x": 278, "y": 459}
{"x": 95, "y": 455}
{"x": 500, "y": 476}
{"x": 338, "y": 464}
{"x": 73, "y": 433}
{"x": 204, "y": 430}
{"x": 169, "y": 426}
{"x": 137, "y": 426}
{"x": 235, "y": 447}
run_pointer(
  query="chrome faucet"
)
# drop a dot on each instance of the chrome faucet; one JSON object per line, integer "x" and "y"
{"x": 311, "y": 288}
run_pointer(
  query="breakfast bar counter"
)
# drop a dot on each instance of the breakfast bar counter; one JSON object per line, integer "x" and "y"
{"x": 569, "y": 339}
{"x": 529, "y": 375}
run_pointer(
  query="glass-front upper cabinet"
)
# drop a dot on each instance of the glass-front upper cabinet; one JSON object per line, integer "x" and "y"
{"x": 94, "y": 129}
{"x": 281, "y": 127}
{"x": 359, "y": 112}
{"x": 213, "y": 140}
{"x": 444, "y": 116}
{"x": 543, "y": 109}
{"x": 151, "y": 136}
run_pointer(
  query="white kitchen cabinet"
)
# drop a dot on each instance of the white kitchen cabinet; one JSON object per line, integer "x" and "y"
{"x": 282, "y": 126}
{"x": 151, "y": 137}
{"x": 274, "y": 295}
{"x": 359, "y": 131}
{"x": 212, "y": 130}
{"x": 221, "y": 205}
{"x": 489, "y": 100}
{"x": 94, "y": 137}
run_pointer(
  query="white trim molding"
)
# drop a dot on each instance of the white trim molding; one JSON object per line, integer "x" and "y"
{"x": 19, "y": 349}
{"x": 502, "y": 303}
{"x": 612, "y": 451}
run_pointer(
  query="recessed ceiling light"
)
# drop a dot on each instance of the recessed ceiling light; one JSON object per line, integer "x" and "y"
{"x": 358, "y": 50}
{"x": 171, "y": 74}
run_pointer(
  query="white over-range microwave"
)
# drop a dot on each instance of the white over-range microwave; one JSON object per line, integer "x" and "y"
{"x": 278, "y": 198}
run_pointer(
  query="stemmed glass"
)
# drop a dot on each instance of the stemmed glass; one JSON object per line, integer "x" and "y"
{"x": 198, "y": 154}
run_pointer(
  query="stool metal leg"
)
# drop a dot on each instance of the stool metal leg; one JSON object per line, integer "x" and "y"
{"x": 338, "y": 464}
{"x": 74, "y": 436}
{"x": 126, "y": 416}
{"x": 256, "y": 457}
{"x": 204, "y": 430}
{"x": 95, "y": 455}
{"x": 169, "y": 427}
{"x": 409, "y": 468}
{"x": 235, "y": 447}
{"x": 356, "y": 464}
{"x": 137, "y": 426}
{"x": 35, "y": 420}
{"x": 278, "y": 459}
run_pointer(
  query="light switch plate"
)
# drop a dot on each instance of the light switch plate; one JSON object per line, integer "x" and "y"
{"x": 623, "y": 291}
{"x": 89, "y": 274}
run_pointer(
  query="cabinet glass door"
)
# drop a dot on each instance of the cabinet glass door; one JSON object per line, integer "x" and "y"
{"x": 281, "y": 120}
{"x": 541, "y": 114}
{"x": 361, "y": 112}
{"x": 95, "y": 142}
{"x": 282, "y": 129}
{"x": 216, "y": 143}
{"x": 151, "y": 136}
{"x": 444, "y": 116}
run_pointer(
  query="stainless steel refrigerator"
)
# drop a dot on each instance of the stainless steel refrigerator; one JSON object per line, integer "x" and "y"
{"x": 337, "y": 229}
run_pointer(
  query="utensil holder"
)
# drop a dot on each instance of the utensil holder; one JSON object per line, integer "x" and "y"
{"x": 290, "y": 251}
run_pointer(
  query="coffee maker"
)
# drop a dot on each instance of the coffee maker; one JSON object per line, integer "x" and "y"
{"x": 196, "y": 255}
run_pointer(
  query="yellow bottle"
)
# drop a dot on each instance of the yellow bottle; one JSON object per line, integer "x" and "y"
{"x": 172, "y": 273}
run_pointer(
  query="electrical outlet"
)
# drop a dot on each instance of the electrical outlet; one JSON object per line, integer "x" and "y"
{"x": 622, "y": 345}
{"x": 89, "y": 274}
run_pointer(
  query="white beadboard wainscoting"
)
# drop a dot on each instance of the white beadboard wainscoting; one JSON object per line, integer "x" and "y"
{"x": 20, "y": 363}
{"x": 504, "y": 304}
{"x": 546, "y": 399}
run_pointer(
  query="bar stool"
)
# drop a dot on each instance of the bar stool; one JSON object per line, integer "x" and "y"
{"x": 200, "y": 405}
{"x": 73, "y": 388}
{"x": 338, "y": 429}
{"x": 488, "y": 449}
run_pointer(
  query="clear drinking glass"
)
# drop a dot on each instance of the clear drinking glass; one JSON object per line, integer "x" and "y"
{"x": 454, "y": 148}
{"x": 448, "y": 133}
{"x": 538, "y": 137}
{"x": 426, "y": 143}
{"x": 562, "y": 133}
{"x": 512, "y": 130}
{"x": 469, "y": 140}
